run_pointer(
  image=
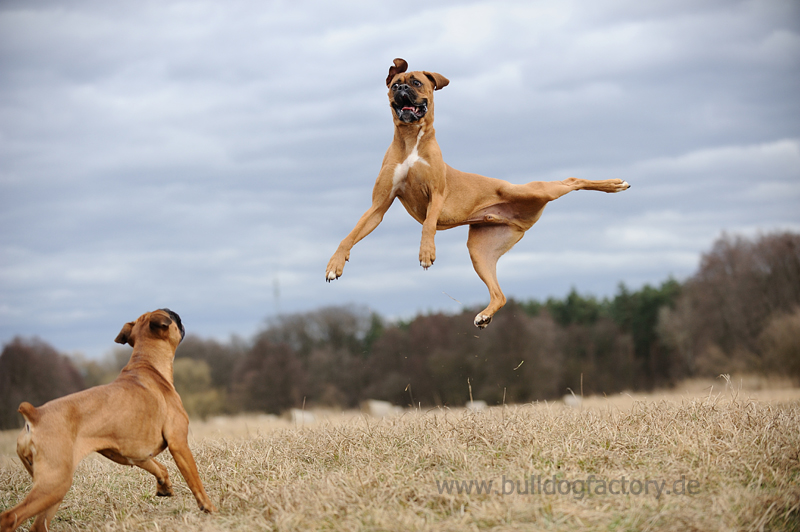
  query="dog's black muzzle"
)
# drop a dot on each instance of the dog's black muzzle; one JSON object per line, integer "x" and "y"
{"x": 405, "y": 104}
{"x": 177, "y": 319}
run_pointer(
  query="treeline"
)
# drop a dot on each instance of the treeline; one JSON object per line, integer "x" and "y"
{"x": 739, "y": 313}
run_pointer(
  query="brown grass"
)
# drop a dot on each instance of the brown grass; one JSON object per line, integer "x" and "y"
{"x": 347, "y": 471}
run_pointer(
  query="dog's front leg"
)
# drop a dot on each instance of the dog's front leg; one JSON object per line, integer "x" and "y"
{"x": 188, "y": 467}
{"x": 382, "y": 199}
{"x": 427, "y": 247}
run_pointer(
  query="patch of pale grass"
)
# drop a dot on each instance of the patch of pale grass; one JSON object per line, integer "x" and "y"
{"x": 352, "y": 472}
{"x": 251, "y": 425}
{"x": 723, "y": 389}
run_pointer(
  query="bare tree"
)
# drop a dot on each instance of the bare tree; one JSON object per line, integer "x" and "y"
{"x": 270, "y": 378}
{"x": 724, "y": 308}
{"x": 31, "y": 370}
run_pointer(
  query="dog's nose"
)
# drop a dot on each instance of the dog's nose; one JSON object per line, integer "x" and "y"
{"x": 401, "y": 88}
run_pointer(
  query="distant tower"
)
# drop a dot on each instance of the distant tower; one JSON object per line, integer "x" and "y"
{"x": 276, "y": 294}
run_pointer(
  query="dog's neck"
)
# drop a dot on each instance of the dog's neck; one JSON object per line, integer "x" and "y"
{"x": 153, "y": 358}
{"x": 409, "y": 135}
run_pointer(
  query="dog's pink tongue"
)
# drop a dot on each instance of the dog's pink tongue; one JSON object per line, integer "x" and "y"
{"x": 408, "y": 108}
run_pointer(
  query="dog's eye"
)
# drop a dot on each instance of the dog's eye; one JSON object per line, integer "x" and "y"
{"x": 417, "y": 83}
{"x": 395, "y": 86}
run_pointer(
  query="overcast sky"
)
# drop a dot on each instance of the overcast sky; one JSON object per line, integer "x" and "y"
{"x": 209, "y": 156}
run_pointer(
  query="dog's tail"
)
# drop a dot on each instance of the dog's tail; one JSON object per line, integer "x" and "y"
{"x": 29, "y": 412}
{"x": 26, "y": 449}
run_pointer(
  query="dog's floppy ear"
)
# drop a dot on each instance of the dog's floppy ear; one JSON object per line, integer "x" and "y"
{"x": 399, "y": 67}
{"x": 124, "y": 335}
{"x": 439, "y": 81}
{"x": 159, "y": 322}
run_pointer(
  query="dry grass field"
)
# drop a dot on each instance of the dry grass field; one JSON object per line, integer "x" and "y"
{"x": 694, "y": 458}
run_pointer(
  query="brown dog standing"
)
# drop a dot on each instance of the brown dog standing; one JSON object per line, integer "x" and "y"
{"x": 129, "y": 421}
{"x": 439, "y": 197}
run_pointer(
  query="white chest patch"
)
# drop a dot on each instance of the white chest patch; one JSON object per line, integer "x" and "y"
{"x": 401, "y": 170}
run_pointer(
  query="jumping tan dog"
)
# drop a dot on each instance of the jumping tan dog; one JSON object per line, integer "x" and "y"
{"x": 439, "y": 197}
{"x": 129, "y": 421}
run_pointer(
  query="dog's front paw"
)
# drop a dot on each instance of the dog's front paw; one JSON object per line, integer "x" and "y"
{"x": 427, "y": 256}
{"x": 335, "y": 267}
{"x": 482, "y": 320}
{"x": 208, "y": 508}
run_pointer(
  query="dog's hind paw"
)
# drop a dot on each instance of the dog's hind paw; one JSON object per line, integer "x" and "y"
{"x": 622, "y": 186}
{"x": 164, "y": 489}
{"x": 482, "y": 320}
{"x": 331, "y": 276}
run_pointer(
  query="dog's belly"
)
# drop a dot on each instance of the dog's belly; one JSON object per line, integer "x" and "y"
{"x": 131, "y": 454}
{"x": 475, "y": 199}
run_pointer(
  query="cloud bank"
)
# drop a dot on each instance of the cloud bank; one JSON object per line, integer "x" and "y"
{"x": 210, "y": 157}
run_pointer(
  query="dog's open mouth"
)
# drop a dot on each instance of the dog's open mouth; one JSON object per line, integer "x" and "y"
{"x": 408, "y": 111}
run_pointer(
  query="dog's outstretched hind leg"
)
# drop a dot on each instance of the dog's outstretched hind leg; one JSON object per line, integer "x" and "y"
{"x": 486, "y": 244}
{"x": 552, "y": 190}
